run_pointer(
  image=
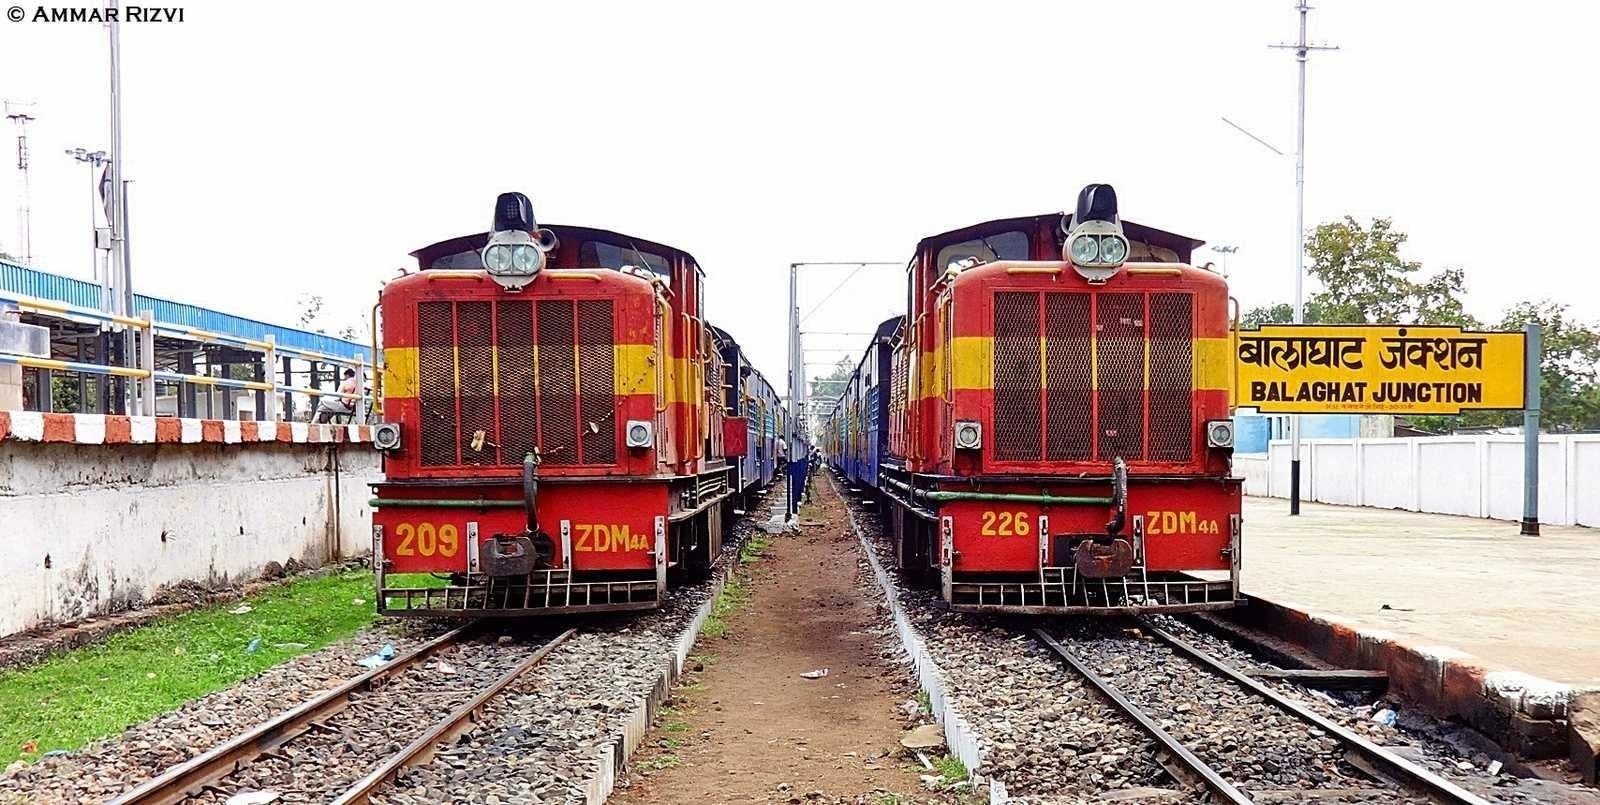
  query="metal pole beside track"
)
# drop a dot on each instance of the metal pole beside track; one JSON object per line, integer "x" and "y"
{"x": 1530, "y": 430}
{"x": 1301, "y": 49}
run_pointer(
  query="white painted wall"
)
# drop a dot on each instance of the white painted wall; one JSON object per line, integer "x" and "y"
{"x": 117, "y": 523}
{"x": 1475, "y": 476}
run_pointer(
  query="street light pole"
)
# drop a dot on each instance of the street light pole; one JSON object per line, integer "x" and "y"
{"x": 94, "y": 159}
{"x": 1224, "y": 250}
{"x": 1302, "y": 49}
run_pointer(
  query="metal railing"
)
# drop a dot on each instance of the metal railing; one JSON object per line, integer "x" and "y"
{"x": 147, "y": 329}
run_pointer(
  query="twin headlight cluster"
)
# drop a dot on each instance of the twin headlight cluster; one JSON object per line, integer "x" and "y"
{"x": 1093, "y": 250}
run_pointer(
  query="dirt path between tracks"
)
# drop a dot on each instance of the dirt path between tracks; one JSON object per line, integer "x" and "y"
{"x": 749, "y": 728}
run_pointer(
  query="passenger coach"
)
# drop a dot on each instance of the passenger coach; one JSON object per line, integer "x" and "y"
{"x": 554, "y": 427}
{"x": 1052, "y": 430}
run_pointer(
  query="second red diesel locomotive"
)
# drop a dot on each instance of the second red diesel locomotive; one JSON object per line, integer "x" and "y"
{"x": 1048, "y": 428}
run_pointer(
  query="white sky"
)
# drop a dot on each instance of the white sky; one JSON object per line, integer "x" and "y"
{"x": 307, "y": 147}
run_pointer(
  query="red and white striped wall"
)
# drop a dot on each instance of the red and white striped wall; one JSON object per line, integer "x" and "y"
{"x": 33, "y": 426}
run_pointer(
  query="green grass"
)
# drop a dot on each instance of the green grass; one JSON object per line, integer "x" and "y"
{"x": 950, "y": 769}
{"x": 99, "y": 690}
{"x": 924, "y": 704}
{"x": 665, "y": 760}
{"x": 736, "y": 593}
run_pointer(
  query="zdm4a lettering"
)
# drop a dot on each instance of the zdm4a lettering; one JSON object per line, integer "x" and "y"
{"x": 1178, "y": 522}
{"x": 603, "y": 538}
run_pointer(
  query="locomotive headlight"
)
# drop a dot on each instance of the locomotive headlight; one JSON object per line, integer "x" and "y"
{"x": 1113, "y": 249}
{"x": 386, "y": 436}
{"x": 1219, "y": 433}
{"x": 640, "y": 433}
{"x": 1094, "y": 243}
{"x": 497, "y": 258}
{"x": 517, "y": 247}
{"x": 1085, "y": 249}
{"x": 969, "y": 435}
{"x": 524, "y": 258}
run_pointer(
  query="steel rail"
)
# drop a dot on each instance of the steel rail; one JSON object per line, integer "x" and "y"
{"x": 1387, "y": 762}
{"x": 1211, "y": 778}
{"x": 421, "y": 749}
{"x": 188, "y": 778}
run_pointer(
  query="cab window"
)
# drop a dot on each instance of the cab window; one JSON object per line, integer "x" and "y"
{"x": 469, "y": 260}
{"x": 600, "y": 254}
{"x": 1009, "y": 245}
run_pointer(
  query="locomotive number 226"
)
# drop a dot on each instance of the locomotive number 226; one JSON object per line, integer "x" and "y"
{"x": 425, "y": 539}
{"x": 1005, "y": 524}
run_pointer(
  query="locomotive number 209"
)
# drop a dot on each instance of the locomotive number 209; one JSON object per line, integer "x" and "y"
{"x": 426, "y": 539}
{"x": 1005, "y": 524}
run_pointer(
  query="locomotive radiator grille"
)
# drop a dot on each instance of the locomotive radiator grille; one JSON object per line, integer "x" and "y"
{"x": 475, "y": 365}
{"x": 1016, "y": 376}
{"x": 1069, "y": 401}
{"x": 1111, "y": 376}
{"x": 1119, "y": 375}
{"x": 499, "y": 380}
{"x": 436, "y": 382}
{"x": 596, "y": 383}
{"x": 519, "y": 405}
{"x": 557, "y": 361}
{"x": 1171, "y": 377}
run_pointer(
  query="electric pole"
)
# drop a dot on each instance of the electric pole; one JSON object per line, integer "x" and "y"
{"x": 1302, "y": 49}
{"x": 15, "y": 114}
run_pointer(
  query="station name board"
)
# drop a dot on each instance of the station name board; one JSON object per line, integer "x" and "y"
{"x": 1379, "y": 369}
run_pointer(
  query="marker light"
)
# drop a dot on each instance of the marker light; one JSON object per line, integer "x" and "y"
{"x": 1219, "y": 433}
{"x": 386, "y": 436}
{"x": 640, "y": 433}
{"x": 969, "y": 435}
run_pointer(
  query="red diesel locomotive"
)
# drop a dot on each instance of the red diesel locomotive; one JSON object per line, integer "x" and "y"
{"x": 556, "y": 434}
{"x": 1048, "y": 429}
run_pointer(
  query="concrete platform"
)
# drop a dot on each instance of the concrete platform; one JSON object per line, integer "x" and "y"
{"x": 1471, "y": 620}
{"x": 1526, "y": 603}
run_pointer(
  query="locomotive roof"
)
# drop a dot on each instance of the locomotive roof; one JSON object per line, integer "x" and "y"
{"x": 574, "y": 234}
{"x": 1182, "y": 244}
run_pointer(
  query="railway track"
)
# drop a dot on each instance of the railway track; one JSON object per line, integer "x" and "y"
{"x": 346, "y": 743}
{"x": 1233, "y": 738}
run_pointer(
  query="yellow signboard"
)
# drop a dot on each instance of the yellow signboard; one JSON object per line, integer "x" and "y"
{"x": 1379, "y": 369}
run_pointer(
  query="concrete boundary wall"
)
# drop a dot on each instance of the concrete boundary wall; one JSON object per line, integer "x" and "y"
{"x": 88, "y": 528}
{"x": 1473, "y": 476}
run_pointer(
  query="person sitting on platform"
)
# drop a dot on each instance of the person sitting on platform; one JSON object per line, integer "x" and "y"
{"x": 329, "y": 407}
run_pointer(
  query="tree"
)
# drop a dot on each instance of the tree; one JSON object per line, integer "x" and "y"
{"x": 1569, "y": 369}
{"x": 832, "y": 384}
{"x": 1364, "y": 280}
